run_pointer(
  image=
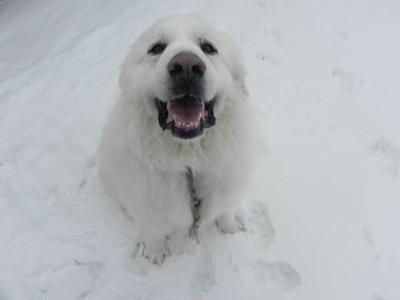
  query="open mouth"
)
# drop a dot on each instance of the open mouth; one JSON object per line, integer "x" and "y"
{"x": 186, "y": 116}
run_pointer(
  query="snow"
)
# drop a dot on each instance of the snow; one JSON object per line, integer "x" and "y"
{"x": 323, "y": 214}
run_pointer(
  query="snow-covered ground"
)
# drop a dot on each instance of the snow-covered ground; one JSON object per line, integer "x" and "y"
{"x": 324, "y": 212}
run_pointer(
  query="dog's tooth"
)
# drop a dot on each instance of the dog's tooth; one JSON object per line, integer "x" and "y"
{"x": 170, "y": 117}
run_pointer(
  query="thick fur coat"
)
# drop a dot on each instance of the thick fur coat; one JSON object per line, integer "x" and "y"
{"x": 144, "y": 167}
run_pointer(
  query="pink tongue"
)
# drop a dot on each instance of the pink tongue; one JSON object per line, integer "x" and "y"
{"x": 187, "y": 111}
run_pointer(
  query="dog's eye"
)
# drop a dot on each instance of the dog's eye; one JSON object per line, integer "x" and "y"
{"x": 157, "y": 48}
{"x": 208, "y": 48}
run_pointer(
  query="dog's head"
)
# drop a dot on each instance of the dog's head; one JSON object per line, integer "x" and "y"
{"x": 183, "y": 72}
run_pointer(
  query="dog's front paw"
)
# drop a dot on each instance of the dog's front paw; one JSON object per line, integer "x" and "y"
{"x": 154, "y": 251}
{"x": 229, "y": 224}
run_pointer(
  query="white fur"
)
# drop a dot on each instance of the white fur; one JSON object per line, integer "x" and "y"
{"x": 144, "y": 167}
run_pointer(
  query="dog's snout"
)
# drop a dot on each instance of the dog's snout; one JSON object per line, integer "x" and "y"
{"x": 186, "y": 65}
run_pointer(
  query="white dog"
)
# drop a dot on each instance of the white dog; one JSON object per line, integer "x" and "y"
{"x": 181, "y": 131}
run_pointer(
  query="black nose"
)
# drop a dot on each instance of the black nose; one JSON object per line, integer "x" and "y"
{"x": 186, "y": 65}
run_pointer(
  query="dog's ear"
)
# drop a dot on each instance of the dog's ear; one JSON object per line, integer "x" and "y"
{"x": 132, "y": 62}
{"x": 126, "y": 77}
{"x": 233, "y": 59}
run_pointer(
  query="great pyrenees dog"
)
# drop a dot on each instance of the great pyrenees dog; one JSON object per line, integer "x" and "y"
{"x": 177, "y": 147}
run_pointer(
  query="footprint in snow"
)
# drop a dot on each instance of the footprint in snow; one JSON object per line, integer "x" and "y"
{"x": 91, "y": 163}
{"x": 268, "y": 276}
{"x": 276, "y": 34}
{"x": 377, "y": 297}
{"x": 343, "y": 80}
{"x": 274, "y": 277}
{"x": 369, "y": 236}
{"x": 390, "y": 155}
{"x": 261, "y": 4}
{"x": 340, "y": 36}
{"x": 258, "y": 223}
{"x": 268, "y": 58}
{"x": 204, "y": 278}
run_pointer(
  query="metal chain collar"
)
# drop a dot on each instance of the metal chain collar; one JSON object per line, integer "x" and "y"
{"x": 195, "y": 203}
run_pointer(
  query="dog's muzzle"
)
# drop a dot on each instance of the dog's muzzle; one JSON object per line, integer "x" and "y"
{"x": 186, "y": 114}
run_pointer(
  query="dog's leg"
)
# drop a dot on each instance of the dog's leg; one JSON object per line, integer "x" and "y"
{"x": 220, "y": 202}
{"x": 229, "y": 223}
{"x": 163, "y": 211}
{"x": 154, "y": 250}
{"x": 153, "y": 241}
{"x": 222, "y": 211}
